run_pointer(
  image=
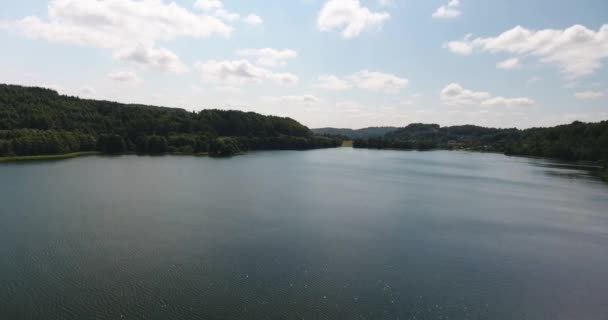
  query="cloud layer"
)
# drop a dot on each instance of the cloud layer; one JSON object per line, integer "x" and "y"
{"x": 577, "y": 51}
{"x": 455, "y": 94}
{"x": 240, "y": 72}
{"x": 269, "y": 57}
{"x": 131, "y": 29}
{"x": 367, "y": 80}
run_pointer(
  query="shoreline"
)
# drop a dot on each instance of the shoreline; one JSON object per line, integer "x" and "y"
{"x": 49, "y": 157}
{"x": 89, "y": 153}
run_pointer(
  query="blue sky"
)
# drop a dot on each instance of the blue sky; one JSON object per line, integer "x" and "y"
{"x": 340, "y": 63}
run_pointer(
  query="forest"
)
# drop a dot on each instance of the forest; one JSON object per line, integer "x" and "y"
{"x": 351, "y": 134}
{"x": 577, "y": 141}
{"x": 38, "y": 121}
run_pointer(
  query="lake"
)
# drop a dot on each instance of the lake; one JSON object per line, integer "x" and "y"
{"x": 325, "y": 234}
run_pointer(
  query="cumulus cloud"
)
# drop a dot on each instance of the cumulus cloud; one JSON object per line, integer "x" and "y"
{"x": 124, "y": 77}
{"x": 119, "y": 23}
{"x": 239, "y": 72}
{"x": 253, "y": 19}
{"x": 349, "y": 17}
{"x": 464, "y": 47}
{"x": 378, "y": 81}
{"x": 122, "y": 25}
{"x": 455, "y": 94}
{"x": 451, "y": 10}
{"x": 509, "y": 64}
{"x": 159, "y": 58}
{"x": 227, "y": 15}
{"x": 305, "y": 99}
{"x": 367, "y": 80}
{"x": 216, "y": 9}
{"x": 576, "y": 51}
{"x": 208, "y": 5}
{"x": 508, "y": 102}
{"x": 332, "y": 82}
{"x": 589, "y": 95}
{"x": 269, "y": 57}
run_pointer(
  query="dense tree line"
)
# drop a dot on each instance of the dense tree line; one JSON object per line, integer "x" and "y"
{"x": 575, "y": 141}
{"x": 351, "y": 134}
{"x": 37, "y": 121}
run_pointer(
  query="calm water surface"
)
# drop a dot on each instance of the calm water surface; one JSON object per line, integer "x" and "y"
{"x": 328, "y": 234}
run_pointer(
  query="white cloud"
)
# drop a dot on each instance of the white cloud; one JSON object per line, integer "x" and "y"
{"x": 305, "y": 99}
{"x": 455, "y": 95}
{"x": 124, "y": 77}
{"x": 451, "y": 10}
{"x": 365, "y": 79}
{"x": 239, "y": 72}
{"x": 216, "y": 8}
{"x": 385, "y": 3}
{"x": 332, "y": 82}
{"x": 509, "y": 64}
{"x": 159, "y": 58}
{"x": 253, "y": 19}
{"x": 227, "y": 15}
{"x": 378, "y": 81}
{"x": 121, "y": 25}
{"x": 589, "y": 95}
{"x": 464, "y": 48}
{"x": 269, "y": 57}
{"x": 508, "y": 102}
{"x": 349, "y": 17}
{"x": 577, "y": 51}
{"x": 208, "y": 5}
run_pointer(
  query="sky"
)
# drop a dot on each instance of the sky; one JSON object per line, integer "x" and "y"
{"x": 325, "y": 63}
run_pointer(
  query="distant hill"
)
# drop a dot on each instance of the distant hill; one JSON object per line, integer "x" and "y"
{"x": 38, "y": 121}
{"x": 371, "y": 132}
{"x": 575, "y": 141}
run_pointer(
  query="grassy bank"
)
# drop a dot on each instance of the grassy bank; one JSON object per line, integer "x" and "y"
{"x": 48, "y": 157}
{"x": 347, "y": 143}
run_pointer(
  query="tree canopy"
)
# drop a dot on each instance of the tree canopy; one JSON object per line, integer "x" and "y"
{"x": 575, "y": 141}
{"x": 38, "y": 121}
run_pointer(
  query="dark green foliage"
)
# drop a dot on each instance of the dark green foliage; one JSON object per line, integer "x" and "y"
{"x": 349, "y": 134}
{"x": 576, "y": 141}
{"x": 35, "y": 142}
{"x": 36, "y": 121}
{"x": 111, "y": 143}
{"x": 225, "y": 147}
{"x": 157, "y": 145}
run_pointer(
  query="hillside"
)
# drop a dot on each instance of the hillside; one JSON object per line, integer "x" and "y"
{"x": 37, "y": 121}
{"x": 370, "y": 132}
{"x": 575, "y": 141}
